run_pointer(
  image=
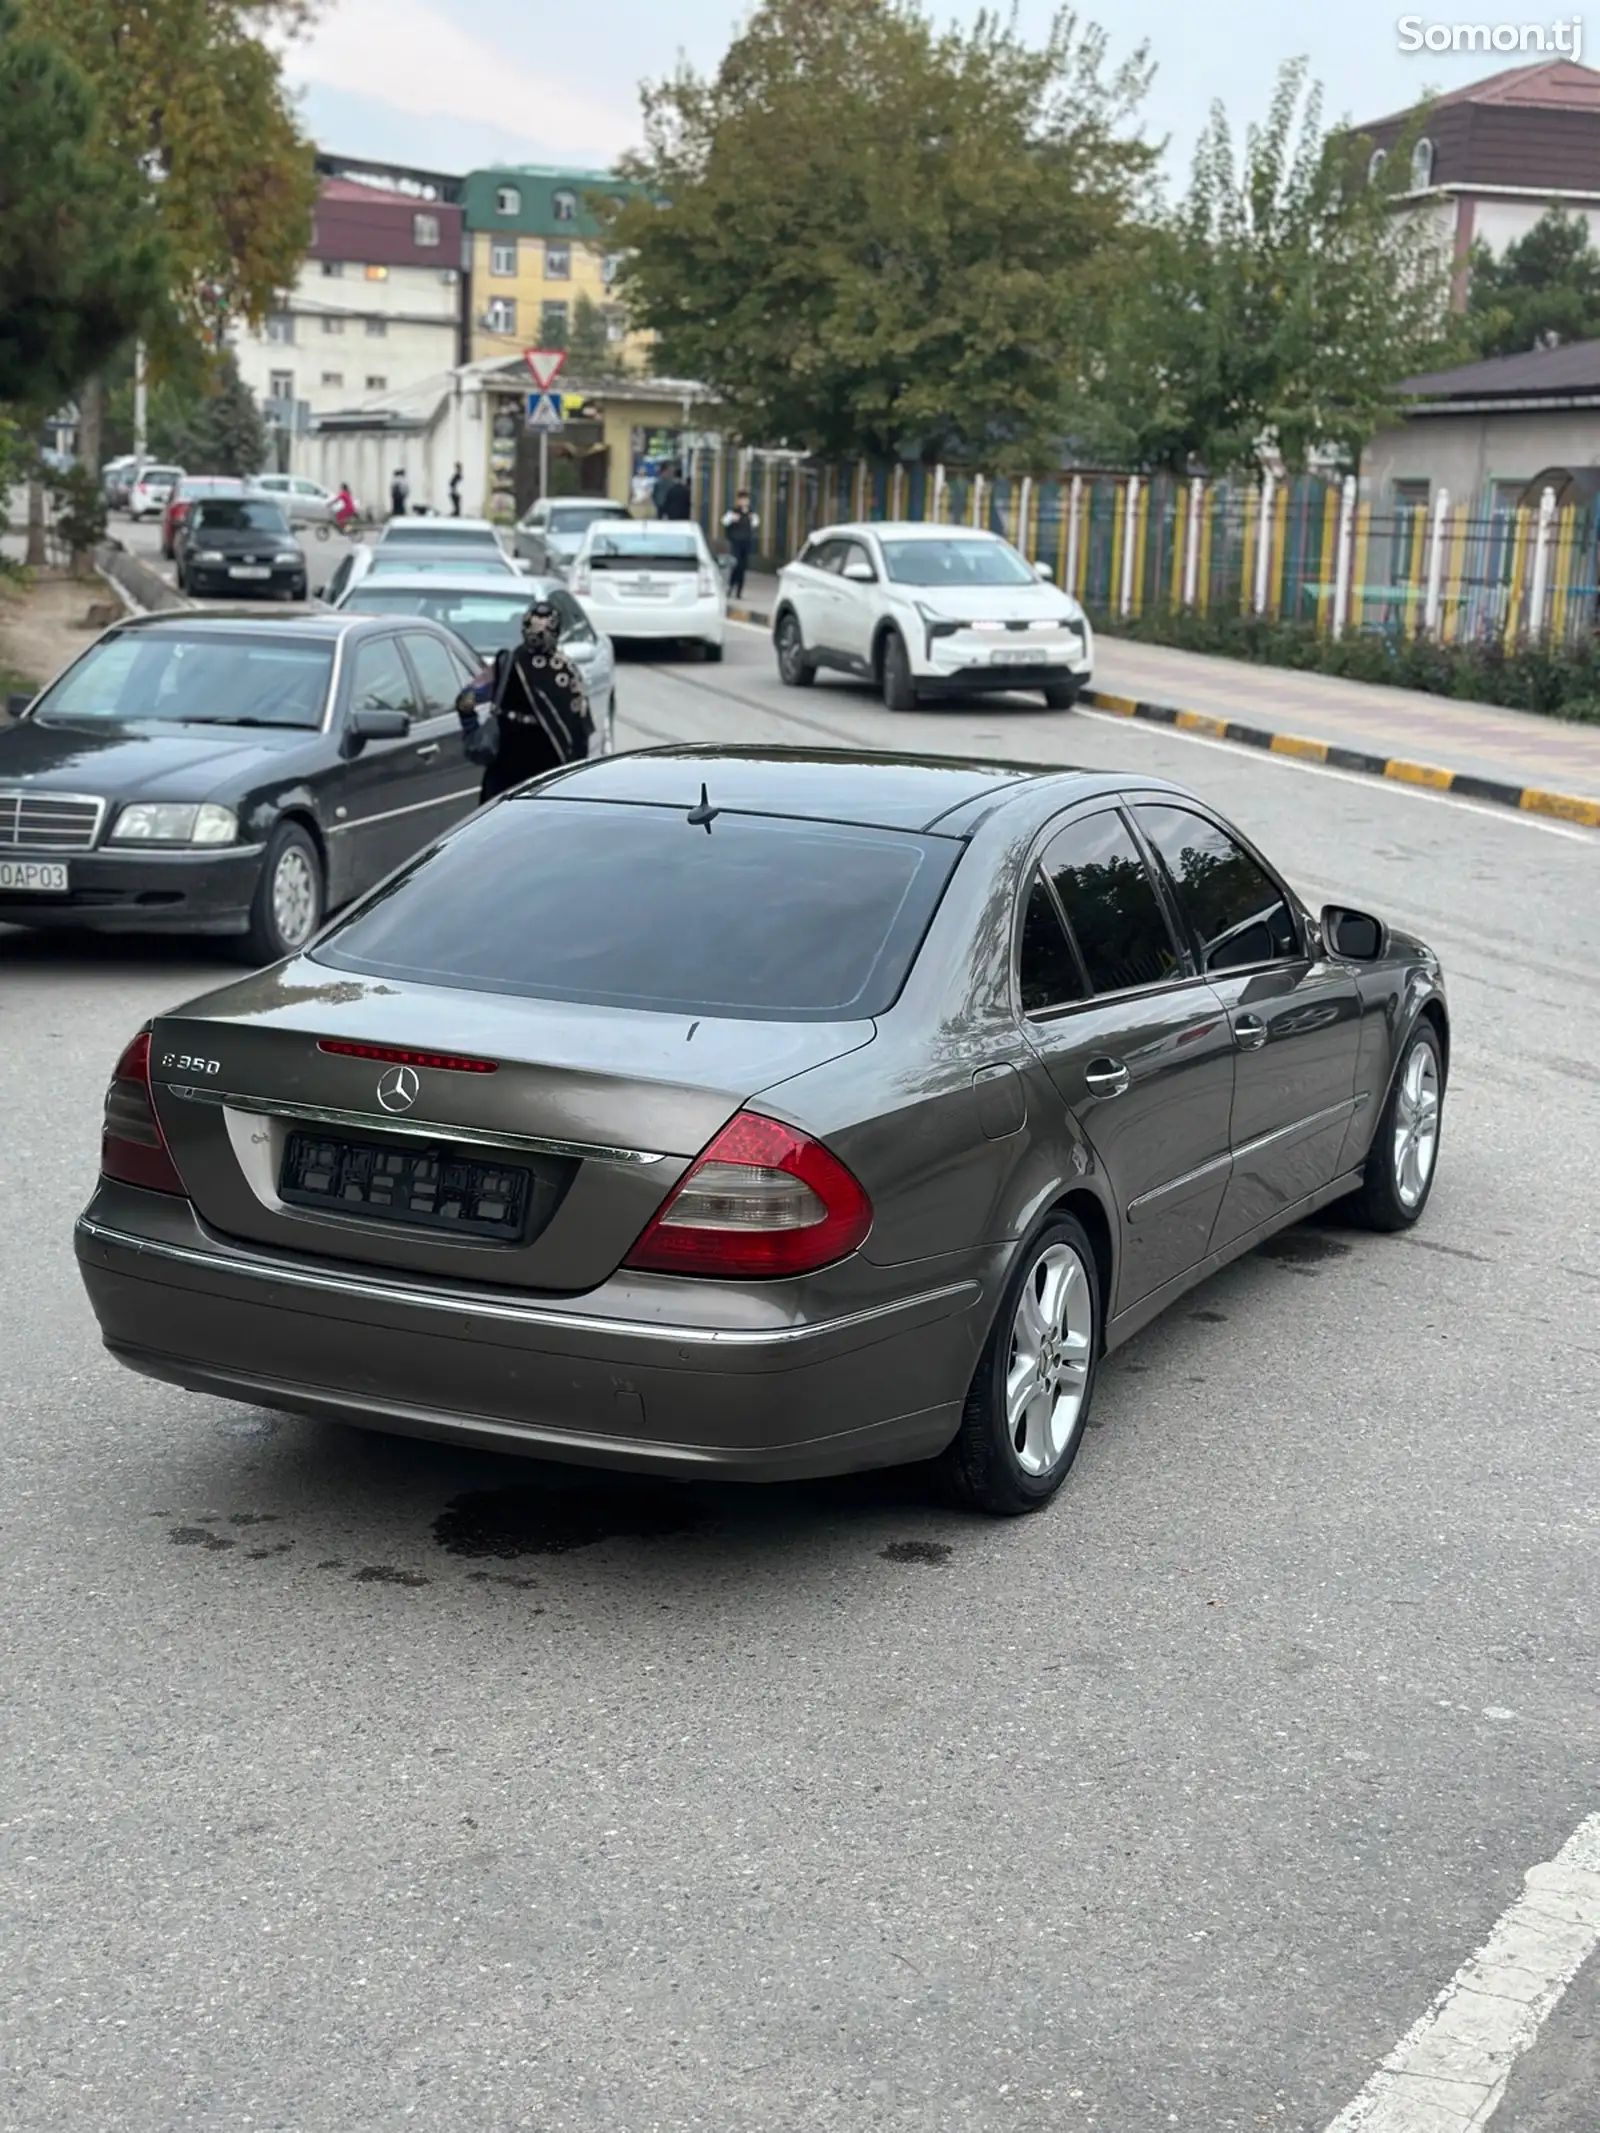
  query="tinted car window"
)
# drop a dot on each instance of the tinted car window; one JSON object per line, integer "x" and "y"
{"x": 195, "y": 677}
{"x": 488, "y": 621}
{"x": 633, "y": 547}
{"x": 1048, "y": 972}
{"x": 1236, "y": 909}
{"x": 765, "y": 918}
{"x": 378, "y": 679}
{"x": 1111, "y": 904}
{"x": 436, "y": 671}
{"x": 438, "y": 533}
{"x": 238, "y": 514}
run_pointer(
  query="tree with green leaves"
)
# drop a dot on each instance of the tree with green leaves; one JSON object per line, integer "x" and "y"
{"x": 192, "y": 105}
{"x": 1544, "y": 288}
{"x": 872, "y": 235}
{"x": 82, "y": 263}
{"x": 591, "y": 355}
{"x": 1272, "y": 312}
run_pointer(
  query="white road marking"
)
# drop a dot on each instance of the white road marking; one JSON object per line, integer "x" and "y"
{"x": 1397, "y": 786}
{"x": 1448, "y": 2073}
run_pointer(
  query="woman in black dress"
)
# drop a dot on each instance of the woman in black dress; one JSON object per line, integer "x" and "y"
{"x": 537, "y": 714}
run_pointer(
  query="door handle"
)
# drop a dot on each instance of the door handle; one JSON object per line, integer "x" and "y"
{"x": 1107, "y": 1077}
{"x": 1250, "y": 1031}
{"x": 428, "y": 748}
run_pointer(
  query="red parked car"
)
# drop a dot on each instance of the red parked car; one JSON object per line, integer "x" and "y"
{"x": 183, "y": 495}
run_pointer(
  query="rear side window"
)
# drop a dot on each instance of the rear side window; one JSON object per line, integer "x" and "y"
{"x": 764, "y": 919}
{"x": 1238, "y": 912}
{"x": 1048, "y": 970}
{"x": 1111, "y": 905}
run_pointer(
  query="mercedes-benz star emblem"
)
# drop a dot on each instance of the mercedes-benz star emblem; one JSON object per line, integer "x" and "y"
{"x": 397, "y": 1091}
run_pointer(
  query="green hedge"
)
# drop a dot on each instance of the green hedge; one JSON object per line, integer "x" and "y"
{"x": 1561, "y": 681}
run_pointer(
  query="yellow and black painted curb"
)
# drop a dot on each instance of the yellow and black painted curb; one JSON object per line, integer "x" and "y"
{"x": 1530, "y": 799}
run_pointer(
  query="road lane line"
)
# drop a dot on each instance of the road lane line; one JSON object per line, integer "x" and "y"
{"x": 1448, "y": 2073}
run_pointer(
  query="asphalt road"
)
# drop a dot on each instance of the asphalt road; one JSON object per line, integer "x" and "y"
{"x": 354, "y": 1783}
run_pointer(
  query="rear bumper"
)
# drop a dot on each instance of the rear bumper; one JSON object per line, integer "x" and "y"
{"x": 146, "y": 892}
{"x": 626, "y": 621}
{"x": 568, "y": 1379}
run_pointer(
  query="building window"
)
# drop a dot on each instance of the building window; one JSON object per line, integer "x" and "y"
{"x": 553, "y": 325}
{"x": 616, "y": 323}
{"x": 330, "y": 324}
{"x": 501, "y": 316}
{"x": 280, "y": 327}
{"x": 335, "y": 378}
{"x": 503, "y": 256}
{"x": 425, "y": 229}
{"x": 377, "y": 273}
{"x": 377, "y": 385}
{"x": 610, "y": 267}
{"x": 280, "y": 385}
{"x": 1422, "y": 166}
{"x": 1375, "y": 164}
{"x": 508, "y": 201}
{"x": 333, "y": 268}
{"x": 565, "y": 205}
{"x": 558, "y": 262}
{"x": 377, "y": 328}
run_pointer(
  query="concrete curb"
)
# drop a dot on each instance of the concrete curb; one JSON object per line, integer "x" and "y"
{"x": 1528, "y": 799}
{"x": 149, "y": 592}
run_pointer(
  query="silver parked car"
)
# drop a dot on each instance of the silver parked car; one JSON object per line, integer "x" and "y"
{"x": 549, "y": 535}
{"x": 485, "y": 610}
{"x": 760, "y": 1115}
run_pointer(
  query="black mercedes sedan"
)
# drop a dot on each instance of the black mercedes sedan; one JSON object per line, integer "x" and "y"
{"x": 231, "y": 775}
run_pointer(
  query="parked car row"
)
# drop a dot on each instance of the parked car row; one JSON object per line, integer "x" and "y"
{"x": 146, "y": 489}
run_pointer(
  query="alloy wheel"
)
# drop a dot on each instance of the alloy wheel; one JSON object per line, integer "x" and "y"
{"x": 294, "y": 897}
{"x": 1416, "y": 1125}
{"x": 1047, "y": 1370}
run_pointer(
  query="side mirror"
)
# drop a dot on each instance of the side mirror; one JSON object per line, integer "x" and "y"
{"x": 1355, "y": 935}
{"x": 860, "y": 574}
{"x": 1044, "y": 571}
{"x": 363, "y": 726}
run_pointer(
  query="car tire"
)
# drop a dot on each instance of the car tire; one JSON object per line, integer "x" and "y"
{"x": 894, "y": 674}
{"x": 1404, "y": 1157}
{"x": 711, "y": 654}
{"x": 985, "y": 1467}
{"x": 794, "y": 669}
{"x": 288, "y": 904}
{"x": 1061, "y": 695}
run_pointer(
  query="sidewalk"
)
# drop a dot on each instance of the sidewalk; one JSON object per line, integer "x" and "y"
{"x": 1547, "y": 766}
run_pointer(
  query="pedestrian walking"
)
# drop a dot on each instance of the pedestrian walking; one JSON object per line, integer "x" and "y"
{"x": 739, "y": 527}
{"x": 677, "y": 503}
{"x": 537, "y": 714}
{"x": 399, "y": 493}
{"x": 658, "y": 493}
{"x": 455, "y": 492}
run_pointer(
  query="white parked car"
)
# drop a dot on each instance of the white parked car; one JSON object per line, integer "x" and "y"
{"x": 927, "y": 611}
{"x": 151, "y": 491}
{"x": 478, "y": 536}
{"x": 360, "y": 562}
{"x": 305, "y": 502}
{"x": 549, "y": 535}
{"x": 652, "y": 578}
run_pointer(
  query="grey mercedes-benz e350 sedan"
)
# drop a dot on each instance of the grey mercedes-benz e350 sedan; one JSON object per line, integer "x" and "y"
{"x": 760, "y": 1114}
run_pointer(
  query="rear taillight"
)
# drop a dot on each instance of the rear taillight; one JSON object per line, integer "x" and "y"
{"x": 706, "y": 582}
{"x": 580, "y": 578}
{"x": 761, "y": 1202}
{"x": 133, "y": 1149}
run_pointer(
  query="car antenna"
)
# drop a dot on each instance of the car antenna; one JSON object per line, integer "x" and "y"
{"x": 705, "y": 814}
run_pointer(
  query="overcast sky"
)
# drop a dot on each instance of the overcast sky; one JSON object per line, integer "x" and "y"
{"x": 452, "y": 83}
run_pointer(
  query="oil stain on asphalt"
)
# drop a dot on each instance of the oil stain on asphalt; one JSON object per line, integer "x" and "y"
{"x": 528, "y": 1520}
{"x": 917, "y": 1552}
{"x": 1303, "y": 1251}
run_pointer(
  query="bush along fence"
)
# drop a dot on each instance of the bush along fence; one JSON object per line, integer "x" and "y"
{"x": 1306, "y": 553}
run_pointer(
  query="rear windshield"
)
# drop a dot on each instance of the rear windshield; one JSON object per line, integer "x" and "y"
{"x": 194, "y": 677}
{"x": 630, "y": 547}
{"x": 573, "y": 518}
{"x": 488, "y": 621}
{"x": 414, "y": 561}
{"x": 237, "y": 514}
{"x": 763, "y": 918}
{"x": 439, "y": 533}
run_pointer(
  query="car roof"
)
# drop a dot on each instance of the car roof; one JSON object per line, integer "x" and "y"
{"x": 823, "y": 785}
{"x": 907, "y": 530}
{"x": 517, "y": 585}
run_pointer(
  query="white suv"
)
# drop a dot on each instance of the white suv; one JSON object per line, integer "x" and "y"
{"x": 928, "y": 611}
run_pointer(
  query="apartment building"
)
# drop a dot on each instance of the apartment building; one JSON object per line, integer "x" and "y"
{"x": 375, "y": 309}
{"x": 537, "y": 248}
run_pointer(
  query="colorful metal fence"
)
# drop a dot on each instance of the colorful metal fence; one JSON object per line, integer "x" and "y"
{"x": 1306, "y": 551}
